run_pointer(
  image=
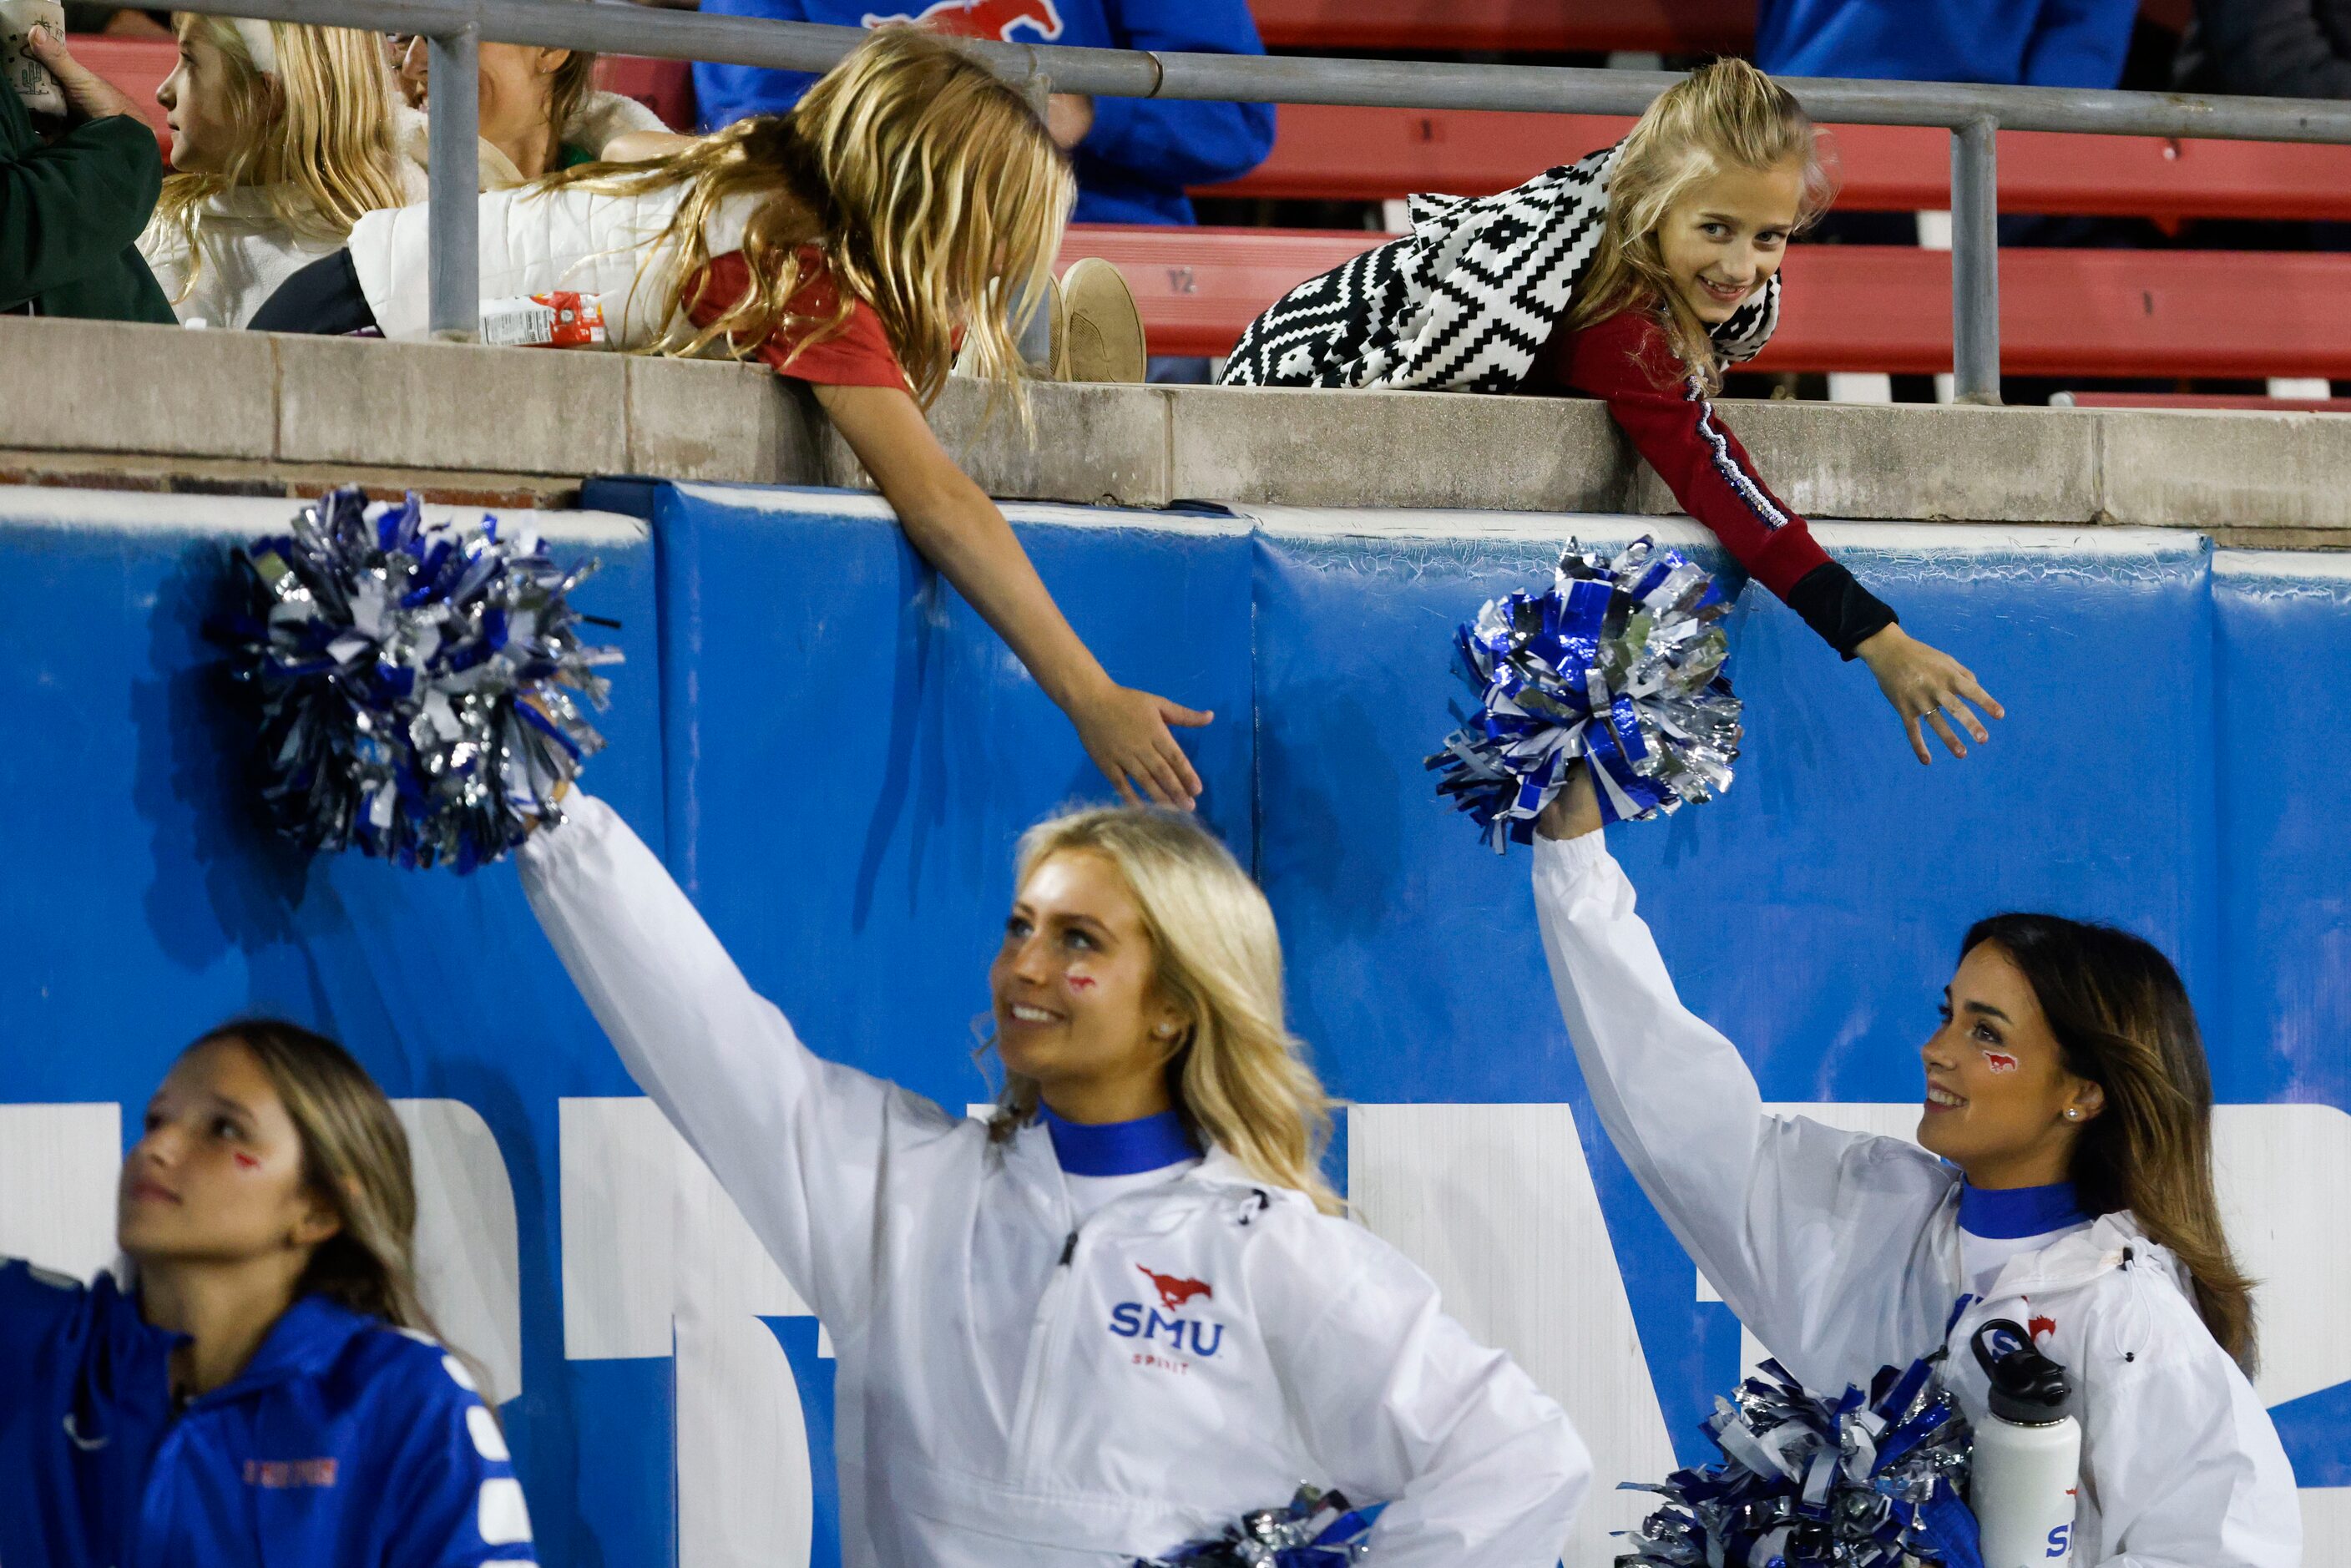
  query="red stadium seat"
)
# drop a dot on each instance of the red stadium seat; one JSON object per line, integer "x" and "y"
{"x": 1852, "y": 307}
{"x": 665, "y": 87}
{"x": 1377, "y": 154}
{"x": 1424, "y": 26}
{"x": 137, "y": 67}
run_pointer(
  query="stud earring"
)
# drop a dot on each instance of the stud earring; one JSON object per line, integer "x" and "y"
{"x": 2073, "y": 1115}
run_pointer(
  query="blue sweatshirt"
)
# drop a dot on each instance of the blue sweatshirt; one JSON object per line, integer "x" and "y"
{"x": 1134, "y": 164}
{"x": 2007, "y": 43}
{"x": 343, "y": 1444}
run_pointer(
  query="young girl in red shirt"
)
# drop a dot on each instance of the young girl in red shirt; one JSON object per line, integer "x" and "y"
{"x": 853, "y": 245}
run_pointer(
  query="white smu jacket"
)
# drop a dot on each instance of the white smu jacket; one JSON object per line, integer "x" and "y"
{"x": 1841, "y": 1252}
{"x": 1017, "y": 1389}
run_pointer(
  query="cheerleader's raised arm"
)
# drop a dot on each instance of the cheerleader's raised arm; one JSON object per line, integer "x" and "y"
{"x": 1754, "y": 1198}
{"x": 799, "y": 1142}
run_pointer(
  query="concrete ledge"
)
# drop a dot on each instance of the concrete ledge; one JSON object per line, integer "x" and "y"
{"x": 158, "y": 407}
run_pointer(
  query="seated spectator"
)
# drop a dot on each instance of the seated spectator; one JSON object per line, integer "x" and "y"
{"x": 72, "y": 204}
{"x": 539, "y": 109}
{"x": 2010, "y": 43}
{"x": 282, "y": 135}
{"x": 2275, "y": 48}
{"x": 258, "y": 1382}
{"x": 1135, "y": 157}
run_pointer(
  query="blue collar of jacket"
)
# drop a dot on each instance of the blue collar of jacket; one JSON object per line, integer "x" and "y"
{"x": 2007, "y": 1214}
{"x": 306, "y": 1341}
{"x": 1119, "y": 1148}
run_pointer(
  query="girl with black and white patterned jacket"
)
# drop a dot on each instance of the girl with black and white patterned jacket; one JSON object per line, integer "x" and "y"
{"x": 1634, "y": 276}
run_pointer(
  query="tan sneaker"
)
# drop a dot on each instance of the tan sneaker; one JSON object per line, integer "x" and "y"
{"x": 1043, "y": 346}
{"x": 1104, "y": 342}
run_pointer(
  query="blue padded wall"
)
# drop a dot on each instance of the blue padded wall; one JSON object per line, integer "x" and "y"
{"x": 837, "y": 758}
{"x": 142, "y": 907}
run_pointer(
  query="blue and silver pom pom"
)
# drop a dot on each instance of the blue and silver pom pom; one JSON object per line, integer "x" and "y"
{"x": 1619, "y": 663}
{"x": 1865, "y": 1481}
{"x": 1314, "y": 1529}
{"x": 420, "y": 687}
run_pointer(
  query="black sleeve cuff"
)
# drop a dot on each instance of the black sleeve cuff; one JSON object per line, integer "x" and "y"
{"x": 1844, "y": 613}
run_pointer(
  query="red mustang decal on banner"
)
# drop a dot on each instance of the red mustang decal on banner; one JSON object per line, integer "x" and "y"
{"x": 980, "y": 19}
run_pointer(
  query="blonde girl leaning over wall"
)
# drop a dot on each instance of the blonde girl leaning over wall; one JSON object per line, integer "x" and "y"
{"x": 847, "y": 245}
{"x": 282, "y": 135}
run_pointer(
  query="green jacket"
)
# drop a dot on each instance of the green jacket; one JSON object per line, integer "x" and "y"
{"x": 69, "y": 213}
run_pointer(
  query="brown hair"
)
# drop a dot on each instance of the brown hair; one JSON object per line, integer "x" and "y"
{"x": 567, "y": 89}
{"x": 1724, "y": 112}
{"x": 2123, "y": 1021}
{"x": 932, "y": 187}
{"x": 355, "y": 1156}
{"x": 1240, "y": 1078}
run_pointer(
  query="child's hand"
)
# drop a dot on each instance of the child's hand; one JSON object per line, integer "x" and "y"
{"x": 1575, "y": 810}
{"x": 1925, "y": 683}
{"x": 1125, "y": 732}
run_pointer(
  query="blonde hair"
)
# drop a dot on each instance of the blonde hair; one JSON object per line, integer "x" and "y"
{"x": 327, "y": 155}
{"x": 1726, "y": 112}
{"x": 1241, "y": 1080}
{"x": 932, "y": 187}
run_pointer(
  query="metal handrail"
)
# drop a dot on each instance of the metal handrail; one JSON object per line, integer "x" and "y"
{"x": 1973, "y": 114}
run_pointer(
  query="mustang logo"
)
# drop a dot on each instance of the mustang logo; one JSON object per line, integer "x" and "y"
{"x": 1175, "y": 1290}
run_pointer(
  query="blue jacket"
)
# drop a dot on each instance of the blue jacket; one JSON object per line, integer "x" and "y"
{"x": 344, "y": 1443}
{"x": 2008, "y": 43}
{"x": 1134, "y": 164}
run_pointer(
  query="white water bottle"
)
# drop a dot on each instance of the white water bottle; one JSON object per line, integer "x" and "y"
{"x": 2028, "y": 1454}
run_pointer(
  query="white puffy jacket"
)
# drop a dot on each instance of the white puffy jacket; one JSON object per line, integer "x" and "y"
{"x": 532, "y": 241}
{"x": 1840, "y": 1251}
{"x": 243, "y": 251}
{"x": 1013, "y": 1391}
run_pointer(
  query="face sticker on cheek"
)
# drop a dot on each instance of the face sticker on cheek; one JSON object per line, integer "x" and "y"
{"x": 246, "y": 1162}
{"x": 1082, "y": 983}
{"x": 1999, "y": 1061}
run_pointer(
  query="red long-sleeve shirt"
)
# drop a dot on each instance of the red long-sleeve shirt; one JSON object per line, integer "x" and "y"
{"x": 1627, "y": 362}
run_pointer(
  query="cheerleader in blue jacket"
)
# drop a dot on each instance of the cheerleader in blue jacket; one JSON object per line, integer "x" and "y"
{"x": 265, "y": 1390}
{"x": 2064, "y": 1183}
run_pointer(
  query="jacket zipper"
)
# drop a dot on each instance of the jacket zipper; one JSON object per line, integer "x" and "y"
{"x": 1042, "y": 1347}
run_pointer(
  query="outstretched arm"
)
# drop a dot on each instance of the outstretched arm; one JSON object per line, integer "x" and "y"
{"x": 954, "y": 527}
{"x": 1626, "y": 361}
{"x": 1810, "y": 1234}
{"x": 801, "y": 1144}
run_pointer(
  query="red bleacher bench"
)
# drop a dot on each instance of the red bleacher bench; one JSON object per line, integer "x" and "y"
{"x": 1380, "y": 154}
{"x": 1852, "y": 307}
{"x": 136, "y": 68}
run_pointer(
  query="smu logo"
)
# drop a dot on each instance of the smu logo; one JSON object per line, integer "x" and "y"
{"x": 1137, "y": 1321}
{"x": 979, "y": 18}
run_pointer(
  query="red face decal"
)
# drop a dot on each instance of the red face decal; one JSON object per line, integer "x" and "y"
{"x": 1175, "y": 1290}
{"x": 2000, "y": 1061}
{"x": 1083, "y": 982}
{"x": 244, "y": 1161}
